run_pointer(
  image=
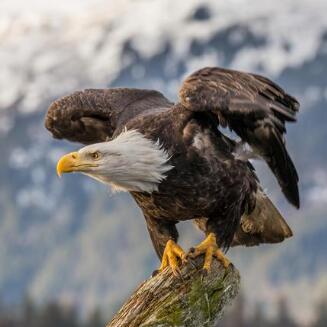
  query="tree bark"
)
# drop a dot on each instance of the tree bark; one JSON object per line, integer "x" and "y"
{"x": 192, "y": 300}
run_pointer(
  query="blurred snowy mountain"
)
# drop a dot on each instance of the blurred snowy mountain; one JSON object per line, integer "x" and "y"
{"x": 72, "y": 239}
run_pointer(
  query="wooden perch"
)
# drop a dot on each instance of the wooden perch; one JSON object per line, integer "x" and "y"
{"x": 191, "y": 300}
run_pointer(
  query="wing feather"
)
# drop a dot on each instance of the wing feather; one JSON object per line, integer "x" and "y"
{"x": 255, "y": 108}
{"x": 93, "y": 115}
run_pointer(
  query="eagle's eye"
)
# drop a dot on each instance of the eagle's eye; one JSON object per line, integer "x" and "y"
{"x": 95, "y": 155}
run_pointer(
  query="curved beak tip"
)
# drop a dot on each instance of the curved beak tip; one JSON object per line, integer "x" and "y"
{"x": 59, "y": 169}
{"x": 66, "y": 163}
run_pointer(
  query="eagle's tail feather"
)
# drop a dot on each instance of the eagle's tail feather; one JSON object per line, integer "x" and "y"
{"x": 264, "y": 225}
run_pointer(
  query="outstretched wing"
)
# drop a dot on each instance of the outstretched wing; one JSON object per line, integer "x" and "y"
{"x": 93, "y": 115}
{"x": 255, "y": 108}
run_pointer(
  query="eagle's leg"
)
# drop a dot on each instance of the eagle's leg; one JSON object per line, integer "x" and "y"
{"x": 210, "y": 249}
{"x": 170, "y": 257}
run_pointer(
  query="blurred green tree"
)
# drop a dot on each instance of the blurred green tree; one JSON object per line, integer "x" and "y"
{"x": 284, "y": 319}
{"x": 54, "y": 315}
{"x": 321, "y": 313}
{"x": 95, "y": 319}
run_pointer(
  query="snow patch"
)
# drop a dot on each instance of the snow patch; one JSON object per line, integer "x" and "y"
{"x": 48, "y": 54}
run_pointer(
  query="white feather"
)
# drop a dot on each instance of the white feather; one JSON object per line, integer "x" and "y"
{"x": 130, "y": 162}
{"x": 244, "y": 152}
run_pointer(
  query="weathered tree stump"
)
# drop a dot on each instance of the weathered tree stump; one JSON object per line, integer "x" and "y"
{"x": 192, "y": 300}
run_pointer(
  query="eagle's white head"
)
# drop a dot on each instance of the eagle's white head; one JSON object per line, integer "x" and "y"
{"x": 130, "y": 162}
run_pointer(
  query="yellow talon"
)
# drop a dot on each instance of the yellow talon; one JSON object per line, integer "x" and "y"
{"x": 170, "y": 255}
{"x": 209, "y": 248}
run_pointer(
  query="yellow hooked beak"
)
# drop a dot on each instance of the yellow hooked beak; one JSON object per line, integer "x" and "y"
{"x": 73, "y": 162}
{"x": 68, "y": 163}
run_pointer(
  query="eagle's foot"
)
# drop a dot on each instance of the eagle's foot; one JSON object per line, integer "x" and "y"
{"x": 170, "y": 257}
{"x": 210, "y": 248}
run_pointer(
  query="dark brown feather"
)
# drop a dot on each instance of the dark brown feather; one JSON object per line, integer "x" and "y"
{"x": 265, "y": 224}
{"x": 255, "y": 108}
{"x": 93, "y": 115}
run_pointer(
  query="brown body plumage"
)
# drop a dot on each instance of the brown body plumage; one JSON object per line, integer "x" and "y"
{"x": 209, "y": 183}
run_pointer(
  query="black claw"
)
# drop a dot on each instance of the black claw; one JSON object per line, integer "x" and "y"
{"x": 155, "y": 273}
{"x": 190, "y": 253}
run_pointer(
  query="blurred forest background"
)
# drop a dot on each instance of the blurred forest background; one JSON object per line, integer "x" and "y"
{"x": 70, "y": 251}
{"x": 53, "y": 314}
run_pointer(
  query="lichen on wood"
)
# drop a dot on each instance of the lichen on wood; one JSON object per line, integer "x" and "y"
{"x": 191, "y": 300}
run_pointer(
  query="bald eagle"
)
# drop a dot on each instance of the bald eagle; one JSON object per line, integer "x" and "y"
{"x": 178, "y": 165}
